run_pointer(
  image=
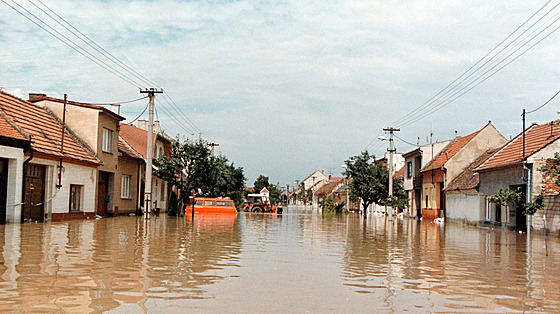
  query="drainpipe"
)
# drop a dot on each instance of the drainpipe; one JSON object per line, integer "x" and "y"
{"x": 529, "y": 218}
{"x": 138, "y": 194}
{"x": 25, "y": 162}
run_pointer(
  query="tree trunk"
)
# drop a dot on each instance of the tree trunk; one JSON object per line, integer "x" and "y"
{"x": 366, "y": 205}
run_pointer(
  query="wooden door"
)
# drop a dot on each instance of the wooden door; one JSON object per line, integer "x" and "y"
{"x": 102, "y": 189}
{"x": 34, "y": 209}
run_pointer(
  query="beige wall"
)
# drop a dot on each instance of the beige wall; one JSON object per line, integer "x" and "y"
{"x": 486, "y": 139}
{"x": 80, "y": 120}
{"x": 110, "y": 160}
{"x": 127, "y": 166}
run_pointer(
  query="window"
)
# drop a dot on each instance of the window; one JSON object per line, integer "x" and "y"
{"x": 75, "y": 198}
{"x": 209, "y": 203}
{"x": 107, "y": 141}
{"x": 125, "y": 187}
{"x": 409, "y": 169}
{"x": 198, "y": 202}
{"x": 224, "y": 203}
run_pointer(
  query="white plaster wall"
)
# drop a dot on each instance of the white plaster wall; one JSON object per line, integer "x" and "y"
{"x": 468, "y": 205}
{"x": 15, "y": 158}
{"x": 59, "y": 199}
{"x": 430, "y": 151}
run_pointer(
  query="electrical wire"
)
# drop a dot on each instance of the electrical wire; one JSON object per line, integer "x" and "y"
{"x": 407, "y": 142}
{"x": 146, "y": 108}
{"x": 432, "y": 102}
{"x": 116, "y": 103}
{"x": 546, "y": 103}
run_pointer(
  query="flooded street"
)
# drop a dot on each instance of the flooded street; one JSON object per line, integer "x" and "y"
{"x": 296, "y": 262}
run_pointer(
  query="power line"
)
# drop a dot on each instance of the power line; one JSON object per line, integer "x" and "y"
{"x": 132, "y": 76}
{"x": 546, "y": 103}
{"x": 407, "y": 142}
{"x": 85, "y": 53}
{"x": 437, "y": 99}
{"x": 138, "y": 115}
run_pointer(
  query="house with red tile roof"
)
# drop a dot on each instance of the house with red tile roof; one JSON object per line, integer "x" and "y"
{"x": 98, "y": 127}
{"x": 14, "y": 143}
{"x": 451, "y": 162}
{"x": 328, "y": 188}
{"x": 135, "y": 139}
{"x": 516, "y": 165}
{"x": 414, "y": 161}
{"x": 58, "y": 170}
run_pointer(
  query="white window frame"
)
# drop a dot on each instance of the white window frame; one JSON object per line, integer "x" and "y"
{"x": 107, "y": 145}
{"x": 126, "y": 181}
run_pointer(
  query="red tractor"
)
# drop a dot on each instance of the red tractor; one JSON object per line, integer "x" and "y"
{"x": 260, "y": 203}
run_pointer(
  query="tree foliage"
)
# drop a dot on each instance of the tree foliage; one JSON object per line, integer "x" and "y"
{"x": 274, "y": 189}
{"x": 191, "y": 167}
{"x": 329, "y": 206}
{"x": 370, "y": 182}
{"x": 506, "y": 197}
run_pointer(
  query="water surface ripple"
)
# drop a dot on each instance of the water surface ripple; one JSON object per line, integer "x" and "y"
{"x": 300, "y": 261}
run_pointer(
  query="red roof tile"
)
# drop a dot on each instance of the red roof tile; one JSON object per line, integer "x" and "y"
{"x": 536, "y": 138}
{"x": 127, "y": 151}
{"x": 81, "y": 104}
{"x": 449, "y": 151}
{"x": 137, "y": 138}
{"x": 8, "y": 129}
{"x": 45, "y": 130}
{"x": 328, "y": 187}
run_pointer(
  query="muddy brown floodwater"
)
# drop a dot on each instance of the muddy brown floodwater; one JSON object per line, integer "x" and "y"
{"x": 297, "y": 262}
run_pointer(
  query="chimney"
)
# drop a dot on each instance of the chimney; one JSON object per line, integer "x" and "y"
{"x": 33, "y": 96}
{"x": 456, "y": 134}
{"x": 143, "y": 124}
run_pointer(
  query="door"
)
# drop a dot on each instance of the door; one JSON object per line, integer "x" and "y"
{"x": 102, "y": 193}
{"x": 520, "y": 218}
{"x": 34, "y": 208}
{"x": 3, "y": 188}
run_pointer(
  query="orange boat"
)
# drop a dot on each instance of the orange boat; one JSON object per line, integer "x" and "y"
{"x": 206, "y": 205}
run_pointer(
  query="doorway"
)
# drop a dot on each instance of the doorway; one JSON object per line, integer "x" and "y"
{"x": 102, "y": 193}
{"x": 34, "y": 209}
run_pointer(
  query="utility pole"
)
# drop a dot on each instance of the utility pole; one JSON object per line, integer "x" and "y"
{"x": 59, "y": 184}
{"x": 391, "y": 151}
{"x": 149, "y": 150}
{"x": 213, "y": 145}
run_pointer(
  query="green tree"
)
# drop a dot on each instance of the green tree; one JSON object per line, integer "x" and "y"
{"x": 370, "y": 182}
{"x": 191, "y": 166}
{"x": 274, "y": 189}
{"x": 552, "y": 169}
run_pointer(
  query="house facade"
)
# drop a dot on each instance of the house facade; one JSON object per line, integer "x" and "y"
{"x": 414, "y": 161}
{"x": 99, "y": 129}
{"x": 58, "y": 172}
{"x": 517, "y": 165}
{"x": 14, "y": 143}
{"x": 135, "y": 138}
{"x": 451, "y": 162}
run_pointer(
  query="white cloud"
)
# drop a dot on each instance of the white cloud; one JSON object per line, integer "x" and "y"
{"x": 288, "y": 87}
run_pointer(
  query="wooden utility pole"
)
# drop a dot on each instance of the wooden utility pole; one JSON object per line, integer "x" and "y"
{"x": 149, "y": 150}
{"x": 59, "y": 184}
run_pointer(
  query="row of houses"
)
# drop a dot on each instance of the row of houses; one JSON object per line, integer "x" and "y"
{"x": 454, "y": 179}
{"x": 76, "y": 163}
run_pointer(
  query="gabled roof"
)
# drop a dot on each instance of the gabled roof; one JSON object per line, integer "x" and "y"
{"x": 536, "y": 138}
{"x": 127, "y": 151}
{"x": 45, "y": 130}
{"x": 469, "y": 179}
{"x": 328, "y": 187}
{"x": 137, "y": 138}
{"x": 450, "y": 151}
{"x": 80, "y": 104}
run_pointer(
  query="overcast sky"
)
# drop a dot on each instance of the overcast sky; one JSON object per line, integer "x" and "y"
{"x": 289, "y": 87}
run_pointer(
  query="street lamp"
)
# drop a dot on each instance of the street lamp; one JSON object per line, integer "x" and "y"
{"x": 347, "y": 190}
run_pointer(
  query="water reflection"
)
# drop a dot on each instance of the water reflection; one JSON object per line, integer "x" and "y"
{"x": 92, "y": 266}
{"x": 254, "y": 262}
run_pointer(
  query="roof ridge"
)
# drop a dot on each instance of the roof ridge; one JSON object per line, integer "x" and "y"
{"x": 441, "y": 152}
{"x": 73, "y": 135}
